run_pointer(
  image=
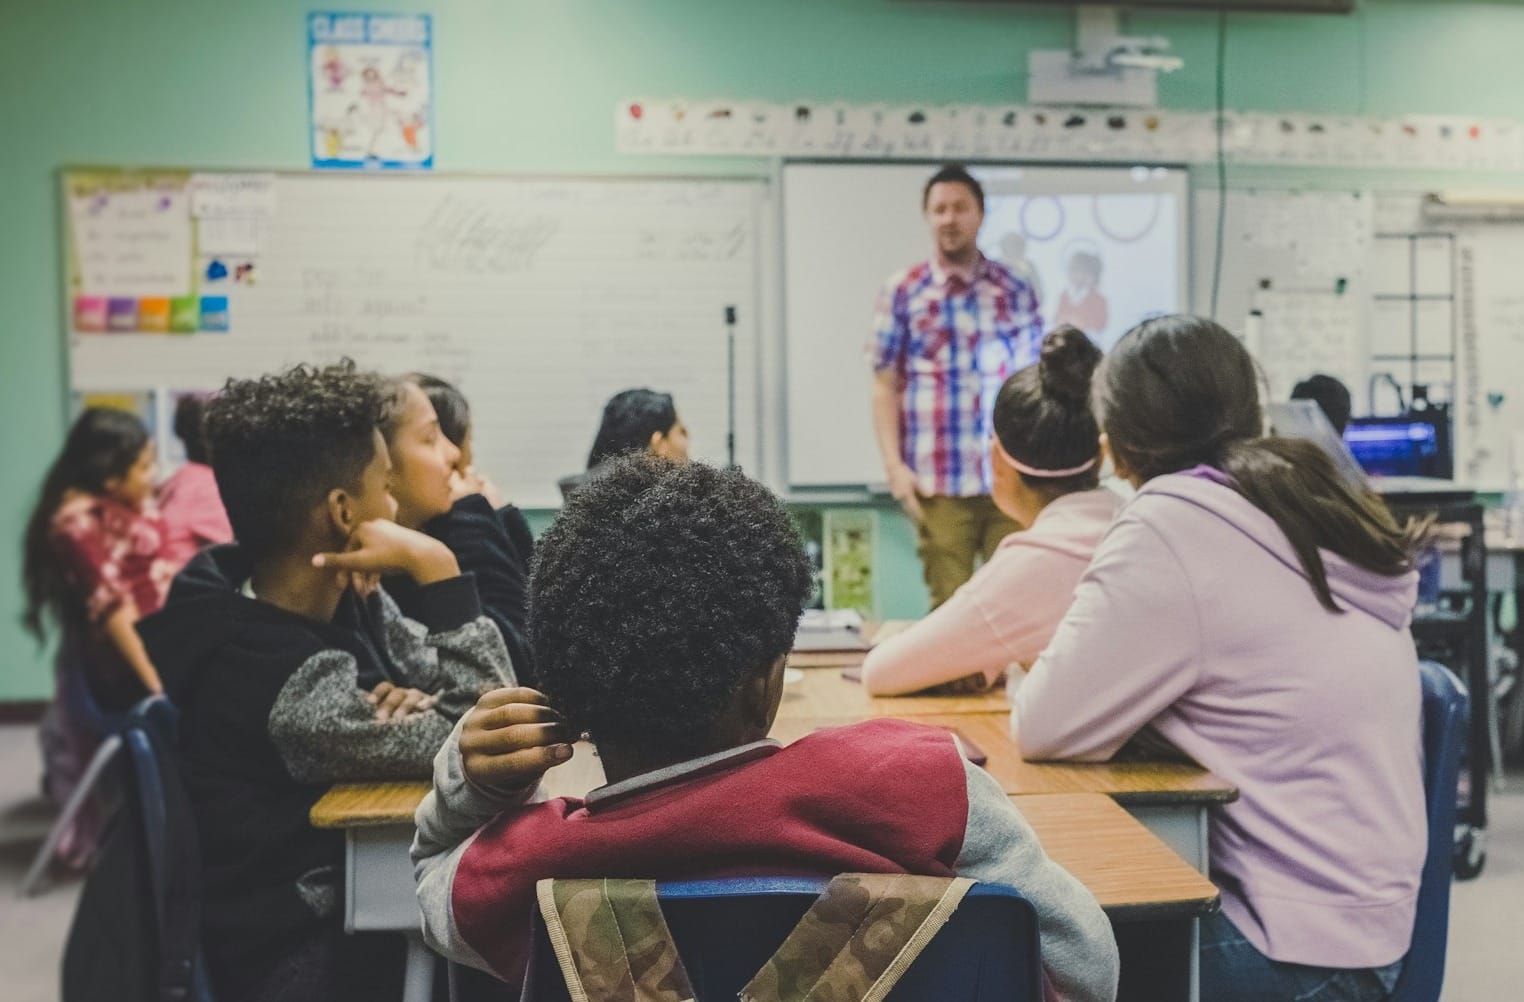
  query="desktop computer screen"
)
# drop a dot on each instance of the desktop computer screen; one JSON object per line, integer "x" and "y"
{"x": 1407, "y": 446}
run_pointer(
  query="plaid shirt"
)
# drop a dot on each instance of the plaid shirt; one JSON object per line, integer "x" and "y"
{"x": 952, "y": 343}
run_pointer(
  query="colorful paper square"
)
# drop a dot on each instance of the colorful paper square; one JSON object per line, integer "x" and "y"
{"x": 122, "y": 314}
{"x": 214, "y": 314}
{"x": 153, "y": 315}
{"x": 90, "y": 314}
{"x": 185, "y": 314}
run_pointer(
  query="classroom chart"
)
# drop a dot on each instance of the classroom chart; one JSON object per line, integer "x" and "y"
{"x": 539, "y": 297}
{"x": 1105, "y": 247}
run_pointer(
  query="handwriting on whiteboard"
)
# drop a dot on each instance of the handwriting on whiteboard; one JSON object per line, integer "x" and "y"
{"x": 462, "y": 236}
{"x": 1303, "y": 334}
{"x": 691, "y": 243}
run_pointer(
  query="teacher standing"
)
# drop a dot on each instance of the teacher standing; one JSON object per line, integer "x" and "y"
{"x": 946, "y": 333}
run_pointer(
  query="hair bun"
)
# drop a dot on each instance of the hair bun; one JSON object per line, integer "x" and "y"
{"x": 1067, "y": 362}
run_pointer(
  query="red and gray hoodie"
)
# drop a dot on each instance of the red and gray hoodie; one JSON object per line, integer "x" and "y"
{"x": 885, "y": 796}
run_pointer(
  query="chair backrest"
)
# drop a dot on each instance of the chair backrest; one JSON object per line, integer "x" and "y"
{"x": 171, "y": 850}
{"x": 726, "y": 930}
{"x": 1446, "y": 710}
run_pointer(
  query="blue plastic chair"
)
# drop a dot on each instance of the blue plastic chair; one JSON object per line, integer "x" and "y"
{"x": 726, "y": 930}
{"x": 172, "y": 853}
{"x": 1446, "y": 709}
{"x": 90, "y": 716}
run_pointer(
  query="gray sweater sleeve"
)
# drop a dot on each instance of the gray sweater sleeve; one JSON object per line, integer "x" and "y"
{"x": 454, "y": 653}
{"x": 1079, "y": 952}
{"x": 326, "y": 731}
{"x": 448, "y": 819}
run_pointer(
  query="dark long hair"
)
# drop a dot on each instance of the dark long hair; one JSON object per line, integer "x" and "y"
{"x": 189, "y": 425}
{"x": 1180, "y": 391}
{"x": 1043, "y": 417}
{"x": 630, "y": 418}
{"x": 450, "y": 405}
{"x": 103, "y": 444}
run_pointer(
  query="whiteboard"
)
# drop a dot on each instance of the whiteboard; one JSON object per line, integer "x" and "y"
{"x": 848, "y": 227}
{"x": 1285, "y": 253}
{"x": 538, "y": 297}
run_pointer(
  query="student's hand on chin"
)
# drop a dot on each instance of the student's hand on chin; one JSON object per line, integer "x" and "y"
{"x": 464, "y": 483}
{"x": 381, "y": 547}
{"x": 511, "y": 738}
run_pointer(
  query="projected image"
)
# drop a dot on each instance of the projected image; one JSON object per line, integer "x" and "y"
{"x": 1099, "y": 261}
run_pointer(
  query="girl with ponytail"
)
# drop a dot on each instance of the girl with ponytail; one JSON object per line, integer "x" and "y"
{"x": 1045, "y": 460}
{"x": 1252, "y": 608}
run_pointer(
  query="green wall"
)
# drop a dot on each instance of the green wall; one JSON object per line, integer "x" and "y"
{"x": 531, "y": 86}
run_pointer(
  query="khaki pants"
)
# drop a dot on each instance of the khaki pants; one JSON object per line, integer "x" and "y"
{"x": 953, "y": 532}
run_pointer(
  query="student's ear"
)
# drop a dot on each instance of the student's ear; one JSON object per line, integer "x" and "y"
{"x": 339, "y": 507}
{"x": 658, "y": 444}
{"x": 761, "y": 696}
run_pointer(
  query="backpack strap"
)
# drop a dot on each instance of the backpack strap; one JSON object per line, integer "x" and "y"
{"x": 858, "y": 939}
{"x": 611, "y": 941}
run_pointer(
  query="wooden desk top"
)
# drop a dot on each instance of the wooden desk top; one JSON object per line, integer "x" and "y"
{"x": 874, "y": 632}
{"x": 825, "y": 693}
{"x": 1130, "y": 871}
{"x": 351, "y": 805}
{"x": 1131, "y": 783}
{"x": 367, "y": 805}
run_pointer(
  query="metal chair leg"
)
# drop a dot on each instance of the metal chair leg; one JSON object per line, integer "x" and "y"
{"x": 33, "y": 882}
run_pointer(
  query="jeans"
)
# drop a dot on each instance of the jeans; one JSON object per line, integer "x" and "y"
{"x": 1232, "y": 970}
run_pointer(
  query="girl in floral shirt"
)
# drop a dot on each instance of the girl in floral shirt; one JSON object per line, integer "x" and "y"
{"x": 93, "y": 566}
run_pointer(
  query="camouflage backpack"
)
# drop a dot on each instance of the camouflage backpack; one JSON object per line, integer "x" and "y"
{"x": 852, "y": 945}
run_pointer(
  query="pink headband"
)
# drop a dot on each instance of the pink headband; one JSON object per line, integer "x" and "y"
{"x": 1031, "y": 471}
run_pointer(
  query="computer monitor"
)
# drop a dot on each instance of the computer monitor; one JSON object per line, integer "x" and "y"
{"x": 1410, "y": 445}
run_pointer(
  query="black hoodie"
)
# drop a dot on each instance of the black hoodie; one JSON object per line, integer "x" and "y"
{"x": 483, "y": 544}
{"x": 273, "y": 711}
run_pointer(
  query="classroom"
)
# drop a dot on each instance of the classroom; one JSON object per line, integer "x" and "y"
{"x": 562, "y": 500}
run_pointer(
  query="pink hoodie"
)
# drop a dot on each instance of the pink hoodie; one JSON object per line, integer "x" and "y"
{"x": 1195, "y": 617}
{"x": 191, "y": 508}
{"x": 1006, "y": 612}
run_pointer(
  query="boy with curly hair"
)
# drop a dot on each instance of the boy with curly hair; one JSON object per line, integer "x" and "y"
{"x": 292, "y": 670}
{"x": 662, "y": 606}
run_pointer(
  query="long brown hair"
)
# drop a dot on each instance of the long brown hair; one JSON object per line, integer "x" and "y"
{"x": 1180, "y": 391}
{"x": 102, "y": 444}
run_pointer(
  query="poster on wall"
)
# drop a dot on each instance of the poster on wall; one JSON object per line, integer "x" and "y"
{"x": 370, "y": 79}
{"x": 129, "y": 262}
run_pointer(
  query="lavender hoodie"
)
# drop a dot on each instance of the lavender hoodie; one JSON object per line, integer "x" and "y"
{"x": 1195, "y": 617}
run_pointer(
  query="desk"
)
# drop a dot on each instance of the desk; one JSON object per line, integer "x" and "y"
{"x": 873, "y": 633}
{"x": 824, "y": 693}
{"x": 1151, "y": 895}
{"x": 1171, "y": 799}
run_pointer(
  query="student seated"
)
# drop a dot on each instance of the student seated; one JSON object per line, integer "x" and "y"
{"x": 663, "y": 604}
{"x": 188, "y": 501}
{"x": 1252, "y": 608}
{"x": 1045, "y": 462}
{"x": 633, "y": 421}
{"x": 433, "y": 498}
{"x": 93, "y": 564}
{"x": 288, "y": 681}
{"x": 454, "y": 413}
{"x": 1331, "y": 396}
